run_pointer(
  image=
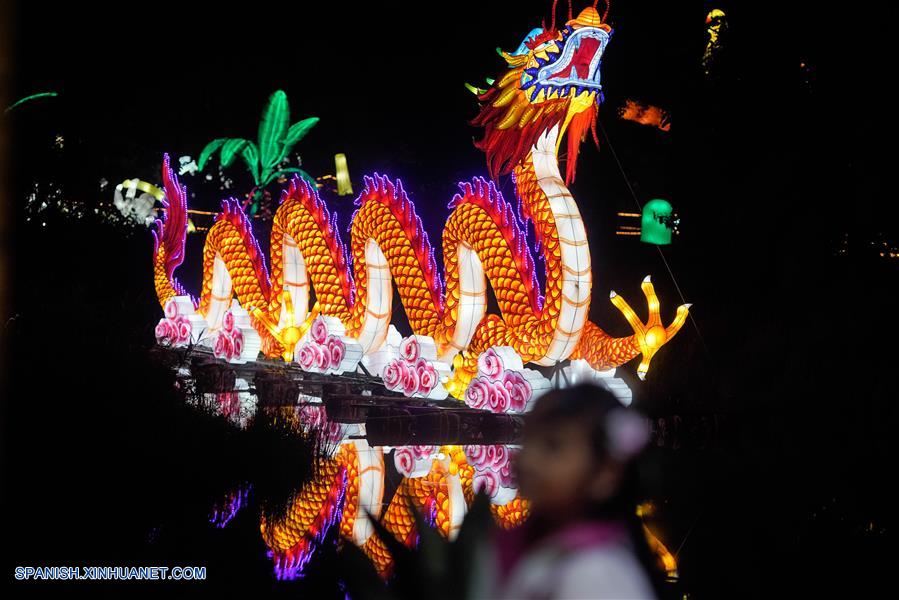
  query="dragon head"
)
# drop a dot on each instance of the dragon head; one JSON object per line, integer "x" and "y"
{"x": 553, "y": 79}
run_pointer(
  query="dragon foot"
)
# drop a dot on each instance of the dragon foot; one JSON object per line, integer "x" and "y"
{"x": 649, "y": 336}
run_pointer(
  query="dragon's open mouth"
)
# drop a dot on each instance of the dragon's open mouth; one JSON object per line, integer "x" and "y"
{"x": 579, "y": 66}
{"x": 572, "y": 65}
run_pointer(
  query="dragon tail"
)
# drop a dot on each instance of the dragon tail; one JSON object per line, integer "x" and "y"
{"x": 169, "y": 237}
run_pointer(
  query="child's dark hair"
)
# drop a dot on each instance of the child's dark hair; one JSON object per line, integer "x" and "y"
{"x": 590, "y": 406}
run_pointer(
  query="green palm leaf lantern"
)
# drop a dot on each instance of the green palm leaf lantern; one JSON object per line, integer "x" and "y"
{"x": 276, "y": 138}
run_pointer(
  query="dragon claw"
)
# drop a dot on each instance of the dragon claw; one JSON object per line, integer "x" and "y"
{"x": 651, "y": 335}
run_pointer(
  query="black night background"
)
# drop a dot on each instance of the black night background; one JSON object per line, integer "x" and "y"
{"x": 775, "y": 398}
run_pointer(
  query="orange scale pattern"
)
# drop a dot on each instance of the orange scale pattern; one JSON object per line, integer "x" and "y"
{"x": 308, "y": 514}
{"x": 512, "y": 514}
{"x": 349, "y": 458}
{"x": 304, "y": 217}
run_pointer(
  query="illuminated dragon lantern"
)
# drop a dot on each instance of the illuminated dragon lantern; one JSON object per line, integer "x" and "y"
{"x": 551, "y": 88}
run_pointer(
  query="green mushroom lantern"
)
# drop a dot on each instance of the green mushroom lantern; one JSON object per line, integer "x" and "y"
{"x": 657, "y": 223}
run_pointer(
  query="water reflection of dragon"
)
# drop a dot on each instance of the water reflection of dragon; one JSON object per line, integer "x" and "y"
{"x": 350, "y": 484}
{"x": 552, "y": 87}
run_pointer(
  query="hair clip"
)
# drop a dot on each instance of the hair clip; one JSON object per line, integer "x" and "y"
{"x": 628, "y": 433}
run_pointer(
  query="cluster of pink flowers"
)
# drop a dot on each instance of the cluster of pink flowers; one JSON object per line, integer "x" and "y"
{"x": 497, "y": 389}
{"x": 315, "y": 419}
{"x": 410, "y": 373}
{"x": 229, "y": 404}
{"x": 173, "y": 329}
{"x": 228, "y": 343}
{"x": 323, "y": 352}
{"x": 492, "y": 468}
{"x": 406, "y": 458}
